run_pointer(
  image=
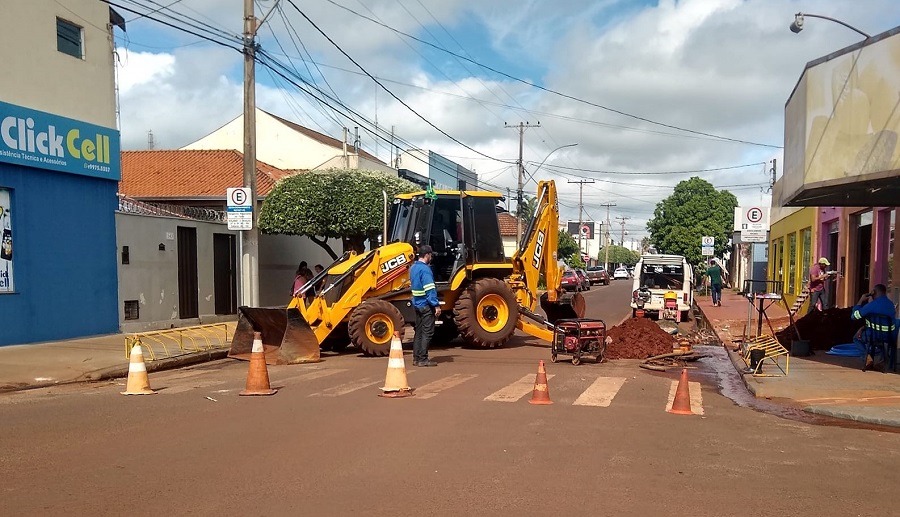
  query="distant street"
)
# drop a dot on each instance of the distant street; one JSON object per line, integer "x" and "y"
{"x": 468, "y": 443}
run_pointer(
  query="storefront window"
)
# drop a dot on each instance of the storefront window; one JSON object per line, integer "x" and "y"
{"x": 792, "y": 263}
{"x": 6, "y": 243}
{"x": 806, "y": 253}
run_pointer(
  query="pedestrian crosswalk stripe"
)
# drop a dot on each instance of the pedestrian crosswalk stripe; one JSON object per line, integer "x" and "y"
{"x": 516, "y": 390}
{"x": 601, "y": 392}
{"x": 309, "y": 376}
{"x": 433, "y": 388}
{"x": 696, "y": 397}
{"x": 347, "y": 387}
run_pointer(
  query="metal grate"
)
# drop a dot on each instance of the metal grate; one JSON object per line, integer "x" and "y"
{"x": 132, "y": 310}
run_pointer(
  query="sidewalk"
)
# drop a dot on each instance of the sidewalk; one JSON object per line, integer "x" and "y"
{"x": 821, "y": 384}
{"x": 97, "y": 358}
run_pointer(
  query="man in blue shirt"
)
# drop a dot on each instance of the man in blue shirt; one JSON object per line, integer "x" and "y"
{"x": 426, "y": 304}
{"x": 875, "y": 302}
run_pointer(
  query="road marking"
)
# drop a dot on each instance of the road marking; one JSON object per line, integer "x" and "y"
{"x": 601, "y": 392}
{"x": 308, "y": 376}
{"x": 347, "y": 387}
{"x": 433, "y": 388}
{"x": 696, "y": 397}
{"x": 516, "y": 390}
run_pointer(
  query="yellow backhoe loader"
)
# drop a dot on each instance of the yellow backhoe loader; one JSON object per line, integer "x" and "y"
{"x": 363, "y": 298}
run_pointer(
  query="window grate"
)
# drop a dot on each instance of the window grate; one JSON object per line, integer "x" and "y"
{"x": 132, "y": 310}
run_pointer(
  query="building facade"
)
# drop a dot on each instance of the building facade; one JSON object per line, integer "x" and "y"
{"x": 842, "y": 159}
{"x": 288, "y": 145}
{"x": 59, "y": 166}
{"x": 444, "y": 174}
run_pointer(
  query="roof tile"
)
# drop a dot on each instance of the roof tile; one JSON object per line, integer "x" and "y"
{"x": 190, "y": 173}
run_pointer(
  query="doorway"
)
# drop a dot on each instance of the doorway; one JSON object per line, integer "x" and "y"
{"x": 832, "y": 255}
{"x": 864, "y": 253}
{"x": 188, "y": 288}
{"x": 225, "y": 273}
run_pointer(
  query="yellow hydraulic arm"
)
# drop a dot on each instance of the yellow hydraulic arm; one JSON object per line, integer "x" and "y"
{"x": 537, "y": 256}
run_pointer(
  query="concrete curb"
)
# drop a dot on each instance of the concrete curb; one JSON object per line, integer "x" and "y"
{"x": 115, "y": 372}
{"x": 736, "y": 360}
{"x": 855, "y": 415}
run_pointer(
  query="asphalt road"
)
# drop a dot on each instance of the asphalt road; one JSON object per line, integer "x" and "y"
{"x": 467, "y": 444}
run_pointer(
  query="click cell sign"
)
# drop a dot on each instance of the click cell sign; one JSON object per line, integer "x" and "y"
{"x": 42, "y": 140}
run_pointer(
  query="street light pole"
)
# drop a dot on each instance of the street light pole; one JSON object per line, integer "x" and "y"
{"x": 797, "y": 24}
{"x": 250, "y": 238}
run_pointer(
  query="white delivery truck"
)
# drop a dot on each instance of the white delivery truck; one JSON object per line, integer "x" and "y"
{"x": 663, "y": 287}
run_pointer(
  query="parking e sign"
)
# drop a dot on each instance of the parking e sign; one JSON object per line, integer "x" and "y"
{"x": 240, "y": 209}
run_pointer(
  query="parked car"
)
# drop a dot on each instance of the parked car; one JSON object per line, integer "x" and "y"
{"x": 598, "y": 275}
{"x": 620, "y": 274}
{"x": 585, "y": 281}
{"x": 570, "y": 281}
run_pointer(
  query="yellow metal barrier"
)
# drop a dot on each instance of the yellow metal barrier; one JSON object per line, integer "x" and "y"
{"x": 773, "y": 351}
{"x": 198, "y": 338}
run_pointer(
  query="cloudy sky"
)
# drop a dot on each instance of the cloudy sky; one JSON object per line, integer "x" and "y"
{"x": 634, "y": 83}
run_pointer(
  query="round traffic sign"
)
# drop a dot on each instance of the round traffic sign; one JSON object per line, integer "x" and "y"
{"x": 239, "y": 197}
{"x": 707, "y": 241}
{"x": 754, "y": 215}
{"x": 585, "y": 229}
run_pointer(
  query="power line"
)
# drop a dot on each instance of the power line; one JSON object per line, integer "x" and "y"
{"x": 688, "y": 171}
{"x": 385, "y": 88}
{"x": 549, "y": 90}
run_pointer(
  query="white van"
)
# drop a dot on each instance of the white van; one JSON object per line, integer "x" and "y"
{"x": 656, "y": 275}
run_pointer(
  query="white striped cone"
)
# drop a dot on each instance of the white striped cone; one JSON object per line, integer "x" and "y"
{"x": 395, "y": 380}
{"x": 138, "y": 381}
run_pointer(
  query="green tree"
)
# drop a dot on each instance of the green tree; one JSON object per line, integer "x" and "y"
{"x": 695, "y": 209}
{"x": 337, "y": 203}
{"x": 566, "y": 246}
{"x": 575, "y": 261}
{"x": 529, "y": 207}
{"x": 619, "y": 255}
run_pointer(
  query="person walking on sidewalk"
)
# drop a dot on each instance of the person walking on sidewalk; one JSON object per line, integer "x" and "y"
{"x": 715, "y": 273}
{"x": 426, "y": 304}
{"x": 816, "y": 286}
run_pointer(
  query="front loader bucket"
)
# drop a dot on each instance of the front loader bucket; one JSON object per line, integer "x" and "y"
{"x": 287, "y": 338}
{"x": 568, "y": 306}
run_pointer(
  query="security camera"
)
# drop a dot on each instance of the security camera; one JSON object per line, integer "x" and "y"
{"x": 797, "y": 26}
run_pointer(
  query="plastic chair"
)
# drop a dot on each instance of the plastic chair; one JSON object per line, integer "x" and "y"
{"x": 878, "y": 337}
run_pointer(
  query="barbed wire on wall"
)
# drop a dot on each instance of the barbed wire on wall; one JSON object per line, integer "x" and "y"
{"x": 128, "y": 205}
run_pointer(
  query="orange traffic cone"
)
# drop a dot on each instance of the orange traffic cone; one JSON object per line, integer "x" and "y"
{"x": 541, "y": 393}
{"x": 682, "y": 403}
{"x": 258, "y": 375}
{"x": 395, "y": 384}
{"x": 138, "y": 382}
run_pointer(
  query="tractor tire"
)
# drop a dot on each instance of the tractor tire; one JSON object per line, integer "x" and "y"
{"x": 372, "y": 325}
{"x": 486, "y": 313}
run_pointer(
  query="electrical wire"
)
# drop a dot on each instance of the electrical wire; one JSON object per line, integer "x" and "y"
{"x": 550, "y": 90}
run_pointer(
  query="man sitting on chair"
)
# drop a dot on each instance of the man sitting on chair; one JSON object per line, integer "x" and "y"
{"x": 874, "y": 302}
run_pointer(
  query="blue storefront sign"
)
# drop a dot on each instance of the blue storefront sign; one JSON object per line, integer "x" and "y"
{"x": 37, "y": 139}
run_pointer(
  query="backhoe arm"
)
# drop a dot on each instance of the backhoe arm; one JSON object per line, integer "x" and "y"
{"x": 537, "y": 251}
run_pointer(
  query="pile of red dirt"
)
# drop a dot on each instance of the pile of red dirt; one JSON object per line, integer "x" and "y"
{"x": 638, "y": 338}
{"x": 823, "y": 329}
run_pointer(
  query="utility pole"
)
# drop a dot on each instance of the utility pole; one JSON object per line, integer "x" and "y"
{"x": 521, "y": 127}
{"x": 250, "y": 238}
{"x": 606, "y": 244}
{"x": 622, "y": 223}
{"x": 580, "y": 209}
